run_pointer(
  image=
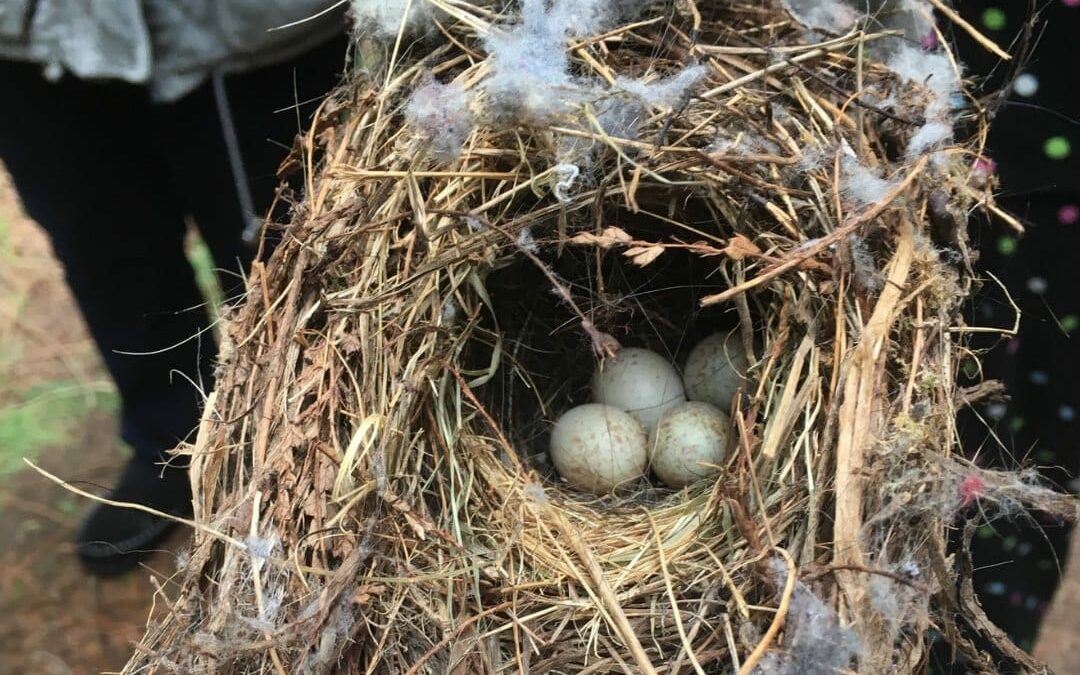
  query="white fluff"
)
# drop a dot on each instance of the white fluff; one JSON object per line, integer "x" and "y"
{"x": 262, "y": 549}
{"x": 743, "y": 144}
{"x": 526, "y": 240}
{"x": 811, "y": 158}
{"x": 862, "y": 261}
{"x": 816, "y": 642}
{"x": 384, "y": 17}
{"x": 441, "y": 113}
{"x": 931, "y": 70}
{"x": 929, "y": 136}
{"x": 861, "y": 184}
{"x": 450, "y": 311}
{"x": 831, "y": 16}
{"x": 529, "y": 66}
{"x": 530, "y": 70}
{"x": 935, "y": 72}
{"x": 566, "y": 174}
{"x": 666, "y": 93}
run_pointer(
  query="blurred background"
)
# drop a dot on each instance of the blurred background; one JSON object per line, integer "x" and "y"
{"x": 57, "y": 409}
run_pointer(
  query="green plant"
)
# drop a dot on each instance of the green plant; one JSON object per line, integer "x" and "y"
{"x": 200, "y": 259}
{"x": 45, "y": 415}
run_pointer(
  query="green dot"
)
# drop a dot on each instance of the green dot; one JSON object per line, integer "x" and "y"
{"x": 1016, "y": 424}
{"x": 985, "y": 532}
{"x": 1044, "y": 455}
{"x": 1057, "y": 147}
{"x": 68, "y": 506}
{"x": 1070, "y": 322}
{"x": 1044, "y": 565}
{"x": 993, "y": 18}
{"x": 1009, "y": 543}
{"x": 971, "y": 369}
{"x": 1006, "y": 245}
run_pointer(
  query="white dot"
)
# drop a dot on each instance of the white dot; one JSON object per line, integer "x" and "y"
{"x": 53, "y": 71}
{"x": 1026, "y": 85}
{"x": 1038, "y": 377}
{"x": 1037, "y": 285}
{"x": 996, "y": 410}
{"x": 1067, "y": 413}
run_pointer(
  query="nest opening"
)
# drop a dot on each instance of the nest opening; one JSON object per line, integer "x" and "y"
{"x": 548, "y": 360}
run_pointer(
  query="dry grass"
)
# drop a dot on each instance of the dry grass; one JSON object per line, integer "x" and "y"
{"x": 372, "y": 489}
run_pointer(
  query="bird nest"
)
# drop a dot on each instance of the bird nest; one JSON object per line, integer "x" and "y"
{"x": 495, "y": 208}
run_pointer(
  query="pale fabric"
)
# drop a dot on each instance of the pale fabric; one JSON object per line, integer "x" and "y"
{"x": 170, "y": 45}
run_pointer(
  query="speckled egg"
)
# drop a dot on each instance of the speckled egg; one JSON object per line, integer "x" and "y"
{"x": 716, "y": 369}
{"x": 641, "y": 382}
{"x": 689, "y": 443}
{"x": 598, "y": 447}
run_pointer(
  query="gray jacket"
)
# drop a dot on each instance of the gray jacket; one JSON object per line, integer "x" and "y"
{"x": 169, "y": 45}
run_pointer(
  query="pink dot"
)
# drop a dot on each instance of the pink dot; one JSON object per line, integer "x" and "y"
{"x": 929, "y": 41}
{"x": 985, "y": 164}
{"x": 971, "y": 489}
{"x": 1071, "y": 3}
{"x": 1070, "y": 213}
{"x": 1012, "y": 346}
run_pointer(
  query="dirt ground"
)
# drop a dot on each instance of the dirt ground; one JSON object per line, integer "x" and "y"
{"x": 58, "y": 408}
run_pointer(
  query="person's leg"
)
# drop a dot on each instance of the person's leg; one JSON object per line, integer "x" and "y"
{"x": 82, "y": 158}
{"x": 111, "y": 177}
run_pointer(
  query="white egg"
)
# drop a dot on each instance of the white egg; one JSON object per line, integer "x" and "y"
{"x": 716, "y": 369}
{"x": 598, "y": 448}
{"x": 688, "y": 443}
{"x": 641, "y": 382}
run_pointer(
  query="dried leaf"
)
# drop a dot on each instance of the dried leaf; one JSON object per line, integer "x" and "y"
{"x": 611, "y": 236}
{"x": 604, "y": 344}
{"x": 740, "y": 247}
{"x": 704, "y": 249}
{"x": 643, "y": 255}
{"x": 416, "y": 525}
{"x": 350, "y": 344}
{"x": 364, "y": 594}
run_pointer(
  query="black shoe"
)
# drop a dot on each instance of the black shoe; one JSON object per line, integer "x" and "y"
{"x": 113, "y": 540}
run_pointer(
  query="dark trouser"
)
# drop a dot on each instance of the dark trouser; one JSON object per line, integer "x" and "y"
{"x": 112, "y": 178}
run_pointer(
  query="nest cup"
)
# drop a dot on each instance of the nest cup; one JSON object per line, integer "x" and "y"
{"x": 481, "y": 227}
